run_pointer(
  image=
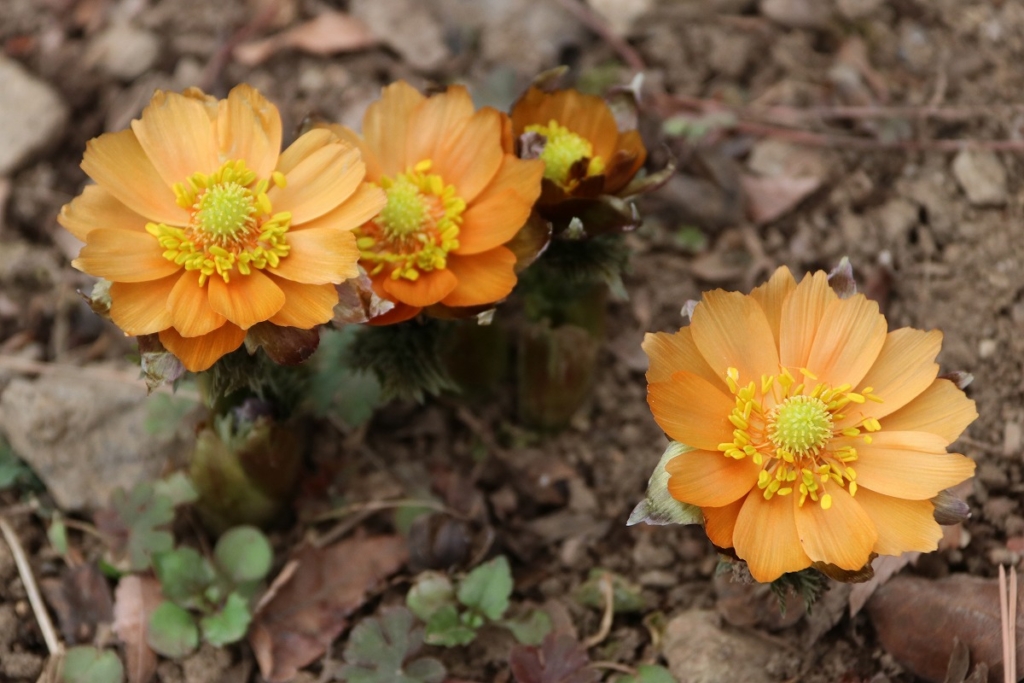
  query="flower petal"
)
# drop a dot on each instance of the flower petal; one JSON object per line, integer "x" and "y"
{"x": 941, "y": 409}
{"x": 305, "y": 306}
{"x": 493, "y": 222}
{"x": 720, "y": 522}
{"x": 318, "y": 256}
{"x": 247, "y": 299}
{"x": 849, "y": 339}
{"x": 124, "y": 256}
{"x": 301, "y": 149}
{"x": 365, "y": 203}
{"x": 522, "y": 175}
{"x": 909, "y": 465}
{"x": 710, "y": 479}
{"x": 118, "y": 164}
{"x": 766, "y": 537}
{"x": 386, "y": 125}
{"x": 629, "y": 158}
{"x": 427, "y": 290}
{"x": 904, "y": 368}
{"x": 199, "y": 353}
{"x": 801, "y": 317}
{"x": 903, "y": 525}
{"x": 437, "y": 122}
{"x": 178, "y": 137}
{"x": 483, "y": 278}
{"x": 141, "y": 307}
{"x": 369, "y": 156}
{"x": 671, "y": 352}
{"x": 772, "y": 295}
{"x": 692, "y": 410}
{"x": 320, "y": 182}
{"x": 843, "y": 535}
{"x": 470, "y": 159}
{"x": 586, "y": 115}
{"x": 190, "y": 307}
{"x": 731, "y": 331}
{"x": 98, "y": 208}
{"x": 249, "y": 128}
{"x": 399, "y": 314}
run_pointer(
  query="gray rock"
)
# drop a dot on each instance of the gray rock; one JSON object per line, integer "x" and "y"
{"x": 32, "y": 115}
{"x": 407, "y": 27}
{"x": 123, "y": 51}
{"x": 700, "y": 650}
{"x": 981, "y": 176}
{"x": 806, "y": 14}
{"x": 858, "y": 9}
{"x": 83, "y": 437}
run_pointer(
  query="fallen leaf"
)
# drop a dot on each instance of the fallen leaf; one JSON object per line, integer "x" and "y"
{"x": 561, "y": 659}
{"x": 81, "y": 598}
{"x": 135, "y": 600}
{"x": 311, "y": 609}
{"x": 918, "y": 620}
{"x": 772, "y": 198}
{"x": 885, "y": 566}
{"x": 327, "y": 34}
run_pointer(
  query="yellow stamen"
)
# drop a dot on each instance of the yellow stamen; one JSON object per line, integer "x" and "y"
{"x": 563, "y": 149}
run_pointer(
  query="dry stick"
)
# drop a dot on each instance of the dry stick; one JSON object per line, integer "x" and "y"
{"x": 1013, "y": 623}
{"x": 609, "y": 613}
{"x": 598, "y": 25}
{"x": 53, "y": 643}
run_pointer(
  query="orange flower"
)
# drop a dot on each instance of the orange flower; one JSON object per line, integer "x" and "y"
{"x": 455, "y": 195}
{"x": 818, "y": 437}
{"x": 205, "y": 228}
{"x": 584, "y": 153}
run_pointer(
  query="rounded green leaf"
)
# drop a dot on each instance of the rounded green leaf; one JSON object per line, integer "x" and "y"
{"x": 487, "y": 588}
{"x": 431, "y": 592}
{"x": 88, "y": 665}
{"x": 244, "y": 554}
{"x": 172, "y": 631}
{"x": 184, "y": 575}
{"x": 230, "y": 624}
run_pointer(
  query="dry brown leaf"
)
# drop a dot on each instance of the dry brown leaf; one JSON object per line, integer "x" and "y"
{"x": 310, "y": 610}
{"x": 918, "y": 619}
{"x": 327, "y": 34}
{"x": 81, "y": 598}
{"x": 135, "y": 600}
{"x": 885, "y": 566}
{"x": 772, "y": 198}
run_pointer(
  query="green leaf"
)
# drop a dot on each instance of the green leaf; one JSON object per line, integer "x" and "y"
{"x": 429, "y": 593}
{"x": 649, "y": 673}
{"x": 134, "y": 525}
{"x": 177, "y": 487}
{"x": 172, "y": 631}
{"x": 626, "y": 596}
{"x": 487, "y": 588}
{"x": 447, "y": 629}
{"x": 529, "y": 629}
{"x": 229, "y": 625}
{"x": 659, "y": 507}
{"x": 244, "y": 554}
{"x": 380, "y": 650}
{"x": 13, "y": 471}
{"x": 164, "y": 412}
{"x": 336, "y": 388}
{"x": 406, "y": 359}
{"x": 89, "y": 665}
{"x": 57, "y": 534}
{"x": 184, "y": 576}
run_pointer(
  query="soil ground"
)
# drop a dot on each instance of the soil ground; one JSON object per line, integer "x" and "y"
{"x": 936, "y": 236}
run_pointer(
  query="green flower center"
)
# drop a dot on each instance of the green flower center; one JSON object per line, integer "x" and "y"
{"x": 562, "y": 150}
{"x": 417, "y": 228}
{"x": 800, "y": 425}
{"x": 232, "y": 228}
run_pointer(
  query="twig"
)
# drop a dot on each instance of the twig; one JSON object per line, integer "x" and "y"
{"x": 609, "y": 613}
{"x": 1008, "y": 617}
{"x": 598, "y": 25}
{"x": 53, "y": 644}
{"x": 614, "y": 666}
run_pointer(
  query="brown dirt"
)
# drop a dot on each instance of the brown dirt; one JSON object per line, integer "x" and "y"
{"x": 932, "y": 258}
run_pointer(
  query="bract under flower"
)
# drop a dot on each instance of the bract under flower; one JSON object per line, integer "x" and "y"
{"x": 455, "y": 196}
{"x": 819, "y": 436}
{"x": 205, "y": 228}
